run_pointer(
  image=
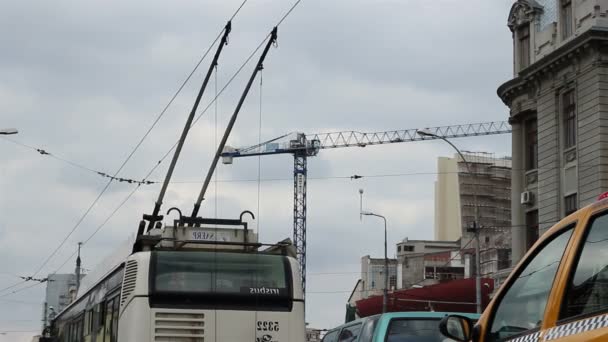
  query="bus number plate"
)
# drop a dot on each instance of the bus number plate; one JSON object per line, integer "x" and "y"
{"x": 268, "y": 326}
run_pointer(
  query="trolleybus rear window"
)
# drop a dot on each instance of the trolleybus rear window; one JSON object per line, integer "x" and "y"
{"x": 219, "y": 273}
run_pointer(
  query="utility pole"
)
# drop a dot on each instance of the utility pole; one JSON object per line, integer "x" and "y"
{"x": 475, "y": 228}
{"x": 78, "y": 268}
{"x": 385, "y": 291}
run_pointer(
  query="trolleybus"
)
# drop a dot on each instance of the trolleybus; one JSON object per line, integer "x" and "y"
{"x": 190, "y": 284}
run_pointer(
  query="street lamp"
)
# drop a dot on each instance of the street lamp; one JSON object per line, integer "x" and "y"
{"x": 427, "y": 133}
{"x": 385, "y": 292}
{"x": 8, "y": 131}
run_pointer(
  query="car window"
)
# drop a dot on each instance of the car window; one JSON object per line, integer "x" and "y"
{"x": 331, "y": 336}
{"x": 367, "y": 333}
{"x": 414, "y": 330}
{"x": 350, "y": 334}
{"x": 588, "y": 290}
{"x": 523, "y": 305}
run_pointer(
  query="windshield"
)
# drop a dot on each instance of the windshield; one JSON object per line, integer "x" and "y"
{"x": 219, "y": 272}
{"x": 415, "y": 330}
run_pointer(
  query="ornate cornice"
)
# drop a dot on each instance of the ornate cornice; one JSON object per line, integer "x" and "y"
{"x": 523, "y": 11}
{"x": 549, "y": 65}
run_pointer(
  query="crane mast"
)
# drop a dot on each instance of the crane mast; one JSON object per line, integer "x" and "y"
{"x": 303, "y": 146}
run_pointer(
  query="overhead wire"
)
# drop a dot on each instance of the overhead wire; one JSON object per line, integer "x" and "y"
{"x": 20, "y": 290}
{"x": 155, "y": 122}
{"x": 152, "y": 182}
{"x": 12, "y": 286}
{"x": 158, "y": 163}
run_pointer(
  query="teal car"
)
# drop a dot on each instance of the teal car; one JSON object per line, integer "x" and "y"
{"x": 393, "y": 327}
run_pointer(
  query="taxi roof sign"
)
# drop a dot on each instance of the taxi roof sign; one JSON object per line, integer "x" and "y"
{"x": 603, "y": 196}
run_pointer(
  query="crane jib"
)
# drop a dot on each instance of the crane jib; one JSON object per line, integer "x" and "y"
{"x": 304, "y": 146}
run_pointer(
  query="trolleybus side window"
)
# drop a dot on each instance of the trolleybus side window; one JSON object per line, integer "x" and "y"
{"x": 587, "y": 292}
{"x": 522, "y": 307}
{"x": 115, "y": 319}
{"x": 87, "y": 322}
{"x": 111, "y": 320}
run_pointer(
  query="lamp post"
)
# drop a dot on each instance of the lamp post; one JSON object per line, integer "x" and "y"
{"x": 8, "y": 131}
{"x": 385, "y": 292}
{"x": 427, "y": 133}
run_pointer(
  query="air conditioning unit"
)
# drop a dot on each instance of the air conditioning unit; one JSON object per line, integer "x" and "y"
{"x": 527, "y": 197}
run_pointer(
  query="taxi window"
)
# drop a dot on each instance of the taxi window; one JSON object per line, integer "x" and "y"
{"x": 588, "y": 290}
{"x": 523, "y": 305}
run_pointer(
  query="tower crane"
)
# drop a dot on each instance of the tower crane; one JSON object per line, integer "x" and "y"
{"x": 304, "y": 145}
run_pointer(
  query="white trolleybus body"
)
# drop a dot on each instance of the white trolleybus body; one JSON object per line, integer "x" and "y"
{"x": 191, "y": 284}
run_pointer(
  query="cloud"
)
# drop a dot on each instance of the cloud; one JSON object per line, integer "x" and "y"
{"x": 85, "y": 81}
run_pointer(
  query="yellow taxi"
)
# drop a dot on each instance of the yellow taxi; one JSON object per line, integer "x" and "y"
{"x": 558, "y": 291}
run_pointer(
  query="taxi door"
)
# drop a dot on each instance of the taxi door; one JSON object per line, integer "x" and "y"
{"x": 559, "y": 292}
{"x": 579, "y": 311}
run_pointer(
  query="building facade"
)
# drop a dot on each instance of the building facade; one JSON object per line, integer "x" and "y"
{"x": 60, "y": 291}
{"x": 458, "y": 192}
{"x": 423, "y": 269}
{"x": 558, "y": 99}
{"x": 313, "y": 335}
{"x": 372, "y": 276}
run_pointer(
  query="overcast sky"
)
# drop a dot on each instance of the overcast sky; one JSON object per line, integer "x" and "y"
{"x": 85, "y": 79}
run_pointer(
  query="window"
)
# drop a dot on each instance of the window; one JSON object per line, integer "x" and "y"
{"x": 408, "y": 248}
{"x": 569, "y": 117}
{"x": 570, "y": 204}
{"x": 108, "y": 327}
{"x": 523, "y": 36}
{"x": 392, "y": 282}
{"x": 531, "y": 228}
{"x": 331, "y": 336}
{"x": 115, "y": 319}
{"x": 566, "y": 16}
{"x": 87, "y": 323}
{"x": 531, "y": 144}
{"x": 522, "y": 307}
{"x": 367, "y": 332}
{"x": 588, "y": 290}
{"x": 504, "y": 258}
{"x": 198, "y": 273}
{"x": 220, "y": 280}
{"x": 350, "y": 334}
{"x": 414, "y": 330}
{"x": 398, "y": 248}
